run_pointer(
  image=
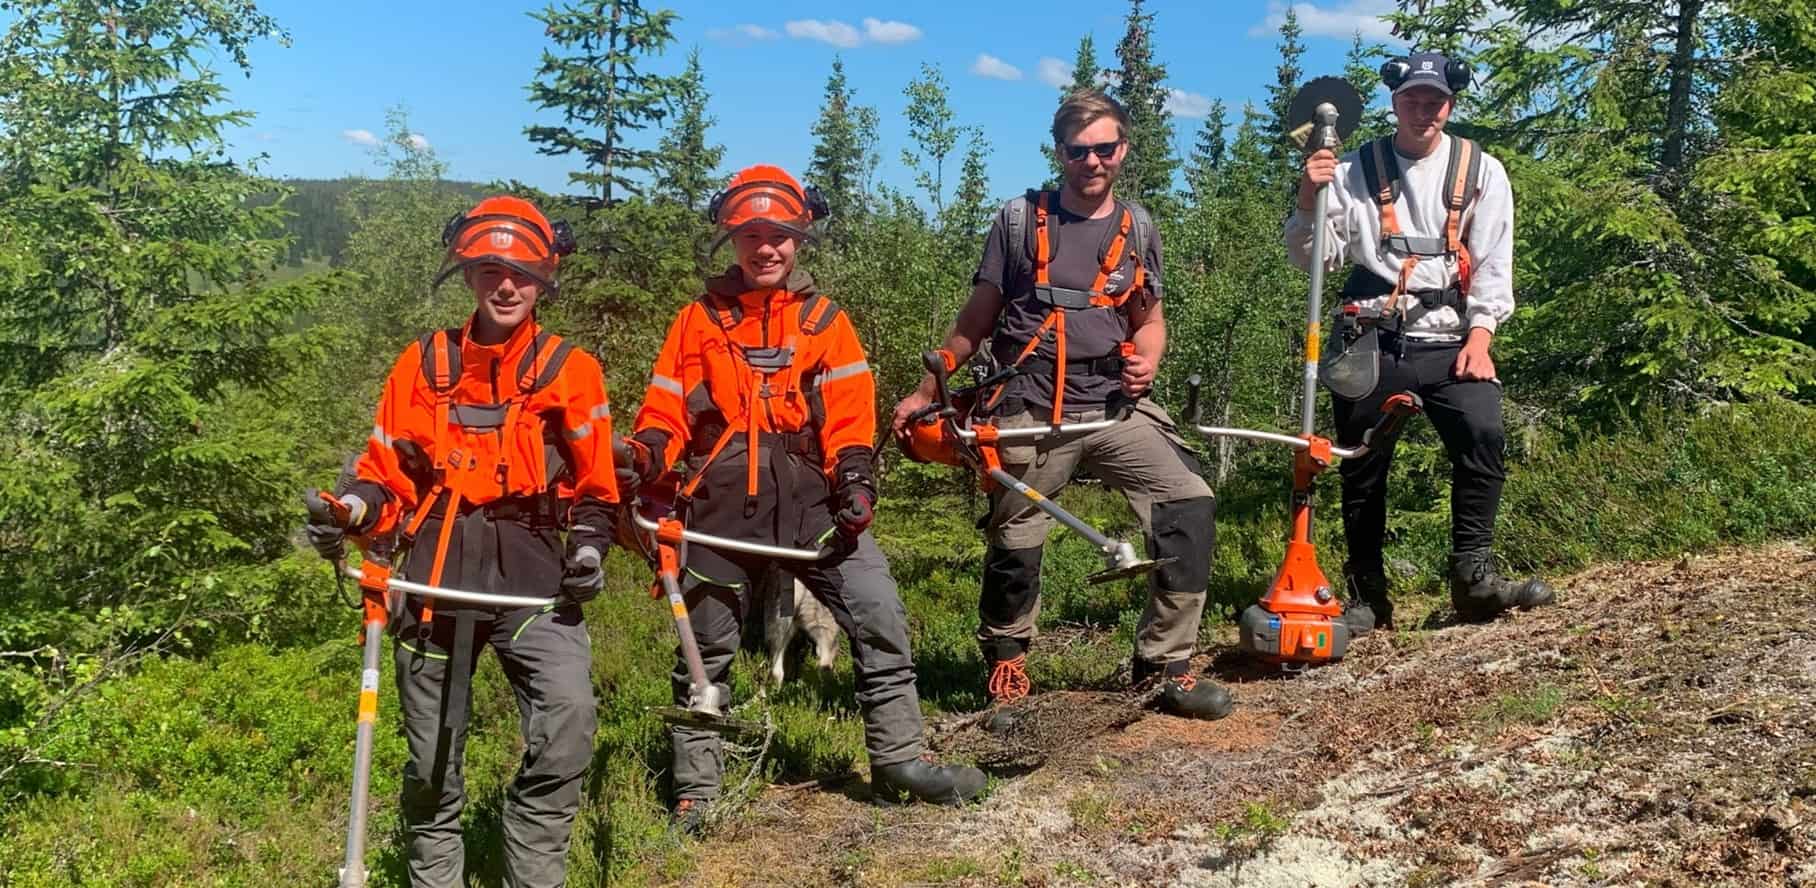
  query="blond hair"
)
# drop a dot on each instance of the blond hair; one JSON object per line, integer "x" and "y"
{"x": 1083, "y": 107}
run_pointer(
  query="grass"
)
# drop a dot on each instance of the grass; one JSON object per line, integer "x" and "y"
{"x": 232, "y": 769}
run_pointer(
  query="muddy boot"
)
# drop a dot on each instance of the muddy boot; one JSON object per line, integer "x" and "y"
{"x": 1182, "y": 693}
{"x": 920, "y": 779}
{"x": 1366, "y": 605}
{"x": 1479, "y": 592}
{"x": 689, "y": 816}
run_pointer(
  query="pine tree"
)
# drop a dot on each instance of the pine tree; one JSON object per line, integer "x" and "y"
{"x": 600, "y": 89}
{"x": 687, "y": 172}
{"x": 1147, "y": 173}
{"x": 1206, "y": 162}
{"x": 1085, "y": 75}
{"x": 1360, "y": 70}
{"x": 1288, "y": 77}
{"x": 844, "y": 150}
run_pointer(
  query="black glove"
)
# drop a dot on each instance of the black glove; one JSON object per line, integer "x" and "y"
{"x": 581, "y": 575}
{"x": 328, "y": 522}
{"x": 637, "y": 460}
{"x": 856, "y": 493}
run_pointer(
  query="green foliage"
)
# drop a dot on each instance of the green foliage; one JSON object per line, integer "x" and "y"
{"x": 688, "y": 163}
{"x": 600, "y": 87}
{"x": 844, "y": 152}
{"x": 1138, "y": 83}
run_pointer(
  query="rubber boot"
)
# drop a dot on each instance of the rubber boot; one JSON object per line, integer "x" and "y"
{"x": 1367, "y": 605}
{"x": 1479, "y": 592}
{"x": 1182, "y": 693}
{"x": 922, "y": 780}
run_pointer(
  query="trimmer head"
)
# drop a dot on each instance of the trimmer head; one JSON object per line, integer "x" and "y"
{"x": 1130, "y": 569}
{"x": 1292, "y": 640}
{"x": 705, "y": 721}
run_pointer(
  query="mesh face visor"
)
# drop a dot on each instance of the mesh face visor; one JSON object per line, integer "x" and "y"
{"x": 763, "y": 202}
{"x": 507, "y": 240}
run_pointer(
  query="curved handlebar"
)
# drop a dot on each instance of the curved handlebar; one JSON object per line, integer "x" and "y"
{"x": 442, "y": 594}
{"x": 731, "y": 545}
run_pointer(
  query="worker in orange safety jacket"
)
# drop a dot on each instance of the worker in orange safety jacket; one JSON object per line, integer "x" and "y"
{"x": 490, "y": 460}
{"x": 763, "y": 391}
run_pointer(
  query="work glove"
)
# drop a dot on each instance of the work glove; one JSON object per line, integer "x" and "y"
{"x": 581, "y": 575}
{"x": 328, "y": 522}
{"x": 636, "y": 460}
{"x": 857, "y": 508}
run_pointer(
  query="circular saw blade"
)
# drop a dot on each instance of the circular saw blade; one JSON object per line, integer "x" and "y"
{"x": 1302, "y": 112}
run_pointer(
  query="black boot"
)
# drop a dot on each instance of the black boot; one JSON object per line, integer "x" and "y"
{"x": 1367, "y": 605}
{"x": 1479, "y": 592}
{"x": 689, "y": 817}
{"x": 1182, "y": 693}
{"x": 919, "y": 779}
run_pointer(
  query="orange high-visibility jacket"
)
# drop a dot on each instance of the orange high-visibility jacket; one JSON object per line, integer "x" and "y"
{"x": 511, "y": 416}
{"x": 778, "y": 374}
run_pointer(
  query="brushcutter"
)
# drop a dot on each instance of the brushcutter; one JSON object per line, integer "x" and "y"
{"x": 1297, "y": 623}
{"x": 946, "y": 432}
{"x": 664, "y": 540}
{"x": 382, "y": 599}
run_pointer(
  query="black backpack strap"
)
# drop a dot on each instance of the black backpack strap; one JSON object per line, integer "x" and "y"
{"x": 726, "y": 317}
{"x": 433, "y": 344}
{"x": 817, "y": 314}
{"x": 1015, "y": 216}
{"x": 547, "y": 352}
{"x": 1373, "y": 154}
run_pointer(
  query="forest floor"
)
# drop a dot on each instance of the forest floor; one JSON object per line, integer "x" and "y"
{"x": 1656, "y": 727}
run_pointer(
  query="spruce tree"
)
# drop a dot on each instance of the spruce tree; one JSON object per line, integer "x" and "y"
{"x": 1288, "y": 77}
{"x": 688, "y": 168}
{"x": 844, "y": 150}
{"x": 1202, "y": 168}
{"x": 1085, "y": 75}
{"x": 1138, "y": 83}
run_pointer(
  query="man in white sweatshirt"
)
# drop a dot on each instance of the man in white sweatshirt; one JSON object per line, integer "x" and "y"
{"x": 1426, "y": 222}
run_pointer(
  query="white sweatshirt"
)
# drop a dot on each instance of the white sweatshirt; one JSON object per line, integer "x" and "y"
{"x": 1353, "y": 234}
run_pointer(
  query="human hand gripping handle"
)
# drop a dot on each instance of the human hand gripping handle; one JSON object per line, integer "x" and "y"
{"x": 329, "y": 518}
{"x": 1320, "y": 170}
{"x": 581, "y": 574}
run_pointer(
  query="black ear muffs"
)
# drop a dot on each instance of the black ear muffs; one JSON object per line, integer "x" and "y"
{"x": 1457, "y": 73}
{"x": 452, "y": 229}
{"x": 1394, "y": 71}
{"x": 717, "y": 203}
{"x": 564, "y": 238}
{"x": 817, "y": 207}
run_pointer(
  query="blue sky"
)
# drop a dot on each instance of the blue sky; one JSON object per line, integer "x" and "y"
{"x": 460, "y": 68}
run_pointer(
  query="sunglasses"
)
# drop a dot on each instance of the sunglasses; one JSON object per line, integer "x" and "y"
{"x": 1103, "y": 150}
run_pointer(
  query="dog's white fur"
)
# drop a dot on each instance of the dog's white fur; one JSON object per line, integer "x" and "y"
{"x": 788, "y": 607}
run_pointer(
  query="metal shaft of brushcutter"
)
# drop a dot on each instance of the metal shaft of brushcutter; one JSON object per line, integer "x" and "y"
{"x": 1325, "y": 136}
{"x": 1117, "y": 553}
{"x": 702, "y": 696}
{"x": 353, "y": 868}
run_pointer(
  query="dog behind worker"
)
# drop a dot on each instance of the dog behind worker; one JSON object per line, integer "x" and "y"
{"x": 478, "y": 432}
{"x": 789, "y": 607}
{"x": 764, "y": 392}
{"x": 1069, "y": 291}
{"x": 1426, "y": 221}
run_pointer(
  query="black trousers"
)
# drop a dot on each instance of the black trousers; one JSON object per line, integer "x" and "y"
{"x": 1467, "y": 416}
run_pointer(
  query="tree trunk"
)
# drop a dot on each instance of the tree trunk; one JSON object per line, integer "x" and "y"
{"x": 1677, "y": 107}
{"x": 611, "y": 100}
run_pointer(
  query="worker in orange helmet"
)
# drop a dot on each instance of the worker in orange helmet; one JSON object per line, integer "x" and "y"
{"x": 763, "y": 390}
{"x": 491, "y": 457}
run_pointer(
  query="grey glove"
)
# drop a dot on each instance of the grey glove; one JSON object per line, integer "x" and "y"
{"x": 581, "y": 575}
{"x": 327, "y": 525}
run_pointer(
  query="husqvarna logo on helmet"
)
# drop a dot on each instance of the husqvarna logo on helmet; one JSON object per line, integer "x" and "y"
{"x": 1425, "y": 66}
{"x": 759, "y": 204}
{"x": 502, "y": 240}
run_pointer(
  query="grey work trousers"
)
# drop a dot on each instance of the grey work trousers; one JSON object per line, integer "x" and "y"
{"x": 858, "y": 589}
{"x": 1145, "y": 459}
{"x": 547, "y": 658}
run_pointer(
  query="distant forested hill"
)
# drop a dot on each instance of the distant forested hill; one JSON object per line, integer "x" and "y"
{"x": 319, "y": 225}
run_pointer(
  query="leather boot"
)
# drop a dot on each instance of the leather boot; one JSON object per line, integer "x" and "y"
{"x": 1182, "y": 693}
{"x": 1479, "y": 592}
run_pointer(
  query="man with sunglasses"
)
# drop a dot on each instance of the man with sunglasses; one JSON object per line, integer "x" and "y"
{"x": 1426, "y": 221}
{"x": 1068, "y": 293}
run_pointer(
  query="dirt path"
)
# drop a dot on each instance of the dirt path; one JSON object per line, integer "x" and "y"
{"x": 1658, "y": 727}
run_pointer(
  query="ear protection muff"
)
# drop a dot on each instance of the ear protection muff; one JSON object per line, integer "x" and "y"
{"x": 452, "y": 229}
{"x": 717, "y": 203}
{"x": 564, "y": 238}
{"x": 1457, "y": 73}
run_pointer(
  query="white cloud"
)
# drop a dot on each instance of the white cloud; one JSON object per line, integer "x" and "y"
{"x": 1187, "y": 104}
{"x": 419, "y": 142}
{"x": 742, "y": 32}
{"x": 836, "y": 33}
{"x": 1340, "y": 20}
{"x": 994, "y": 68}
{"x": 1053, "y": 72}
{"x": 890, "y": 31}
{"x": 360, "y": 137}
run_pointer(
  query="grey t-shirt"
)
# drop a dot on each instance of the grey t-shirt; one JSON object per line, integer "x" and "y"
{"x": 1075, "y": 256}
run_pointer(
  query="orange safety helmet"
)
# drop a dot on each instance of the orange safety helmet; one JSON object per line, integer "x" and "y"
{"x": 509, "y": 231}
{"x": 766, "y": 194}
